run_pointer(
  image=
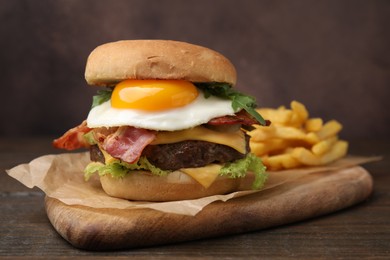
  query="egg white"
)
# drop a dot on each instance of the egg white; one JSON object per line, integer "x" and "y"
{"x": 198, "y": 112}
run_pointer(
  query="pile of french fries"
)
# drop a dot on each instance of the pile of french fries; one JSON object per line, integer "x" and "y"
{"x": 294, "y": 140}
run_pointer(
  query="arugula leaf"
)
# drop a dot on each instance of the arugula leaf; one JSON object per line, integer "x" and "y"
{"x": 101, "y": 97}
{"x": 239, "y": 100}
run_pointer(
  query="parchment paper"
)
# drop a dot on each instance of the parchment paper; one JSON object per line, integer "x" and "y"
{"x": 61, "y": 177}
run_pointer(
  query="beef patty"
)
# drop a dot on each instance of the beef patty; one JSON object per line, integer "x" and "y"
{"x": 186, "y": 154}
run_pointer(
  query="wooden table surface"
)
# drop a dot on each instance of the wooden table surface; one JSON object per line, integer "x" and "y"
{"x": 360, "y": 231}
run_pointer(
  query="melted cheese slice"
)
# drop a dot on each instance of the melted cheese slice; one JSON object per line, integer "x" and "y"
{"x": 107, "y": 157}
{"x": 204, "y": 175}
{"x": 235, "y": 140}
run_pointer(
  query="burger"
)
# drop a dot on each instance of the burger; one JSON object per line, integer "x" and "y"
{"x": 167, "y": 124}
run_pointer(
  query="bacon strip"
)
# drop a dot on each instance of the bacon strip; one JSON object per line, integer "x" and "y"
{"x": 128, "y": 142}
{"x": 73, "y": 138}
{"x": 241, "y": 117}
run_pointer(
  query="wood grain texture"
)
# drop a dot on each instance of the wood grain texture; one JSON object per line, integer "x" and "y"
{"x": 308, "y": 197}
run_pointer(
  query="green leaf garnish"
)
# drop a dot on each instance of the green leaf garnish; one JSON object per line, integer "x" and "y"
{"x": 239, "y": 100}
{"x": 239, "y": 169}
{"x": 101, "y": 97}
{"x": 90, "y": 138}
{"x": 236, "y": 169}
{"x": 119, "y": 169}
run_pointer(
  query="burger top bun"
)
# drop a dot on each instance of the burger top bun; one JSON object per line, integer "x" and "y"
{"x": 113, "y": 62}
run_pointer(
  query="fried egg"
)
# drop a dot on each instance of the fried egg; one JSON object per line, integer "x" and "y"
{"x": 177, "y": 105}
{"x": 153, "y": 95}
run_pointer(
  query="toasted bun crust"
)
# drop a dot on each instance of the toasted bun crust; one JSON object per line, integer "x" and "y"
{"x": 113, "y": 62}
{"x": 143, "y": 186}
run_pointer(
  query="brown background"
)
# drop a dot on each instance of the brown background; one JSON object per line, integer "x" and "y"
{"x": 331, "y": 55}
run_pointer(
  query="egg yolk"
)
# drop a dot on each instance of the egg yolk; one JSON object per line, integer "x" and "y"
{"x": 153, "y": 95}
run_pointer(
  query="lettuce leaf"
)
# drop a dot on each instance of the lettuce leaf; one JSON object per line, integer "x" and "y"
{"x": 119, "y": 169}
{"x": 239, "y": 168}
{"x": 115, "y": 169}
{"x": 90, "y": 138}
{"x": 236, "y": 169}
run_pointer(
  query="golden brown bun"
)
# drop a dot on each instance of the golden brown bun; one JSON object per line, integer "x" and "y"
{"x": 113, "y": 62}
{"x": 143, "y": 186}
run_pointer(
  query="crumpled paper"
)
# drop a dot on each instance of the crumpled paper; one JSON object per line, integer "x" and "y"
{"x": 61, "y": 177}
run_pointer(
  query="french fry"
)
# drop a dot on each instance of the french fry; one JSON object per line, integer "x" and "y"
{"x": 284, "y": 133}
{"x": 280, "y": 116}
{"x": 331, "y": 128}
{"x": 280, "y": 132}
{"x": 338, "y": 150}
{"x": 311, "y": 138}
{"x": 269, "y": 147}
{"x": 262, "y": 133}
{"x": 290, "y": 133}
{"x": 306, "y": 157}
{"x": 324, "y": 145}
{"x": 295, "y": 140}
{"x": 313, "y": 124}
{"x": 281, "y": 161}
{"x": 300, "y": 113}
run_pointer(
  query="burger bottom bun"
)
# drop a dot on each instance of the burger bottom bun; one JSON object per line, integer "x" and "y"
{"x": 143, "y": 186}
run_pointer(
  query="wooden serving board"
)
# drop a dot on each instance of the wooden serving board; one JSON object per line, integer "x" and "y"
{"x": 307, "y": 197}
